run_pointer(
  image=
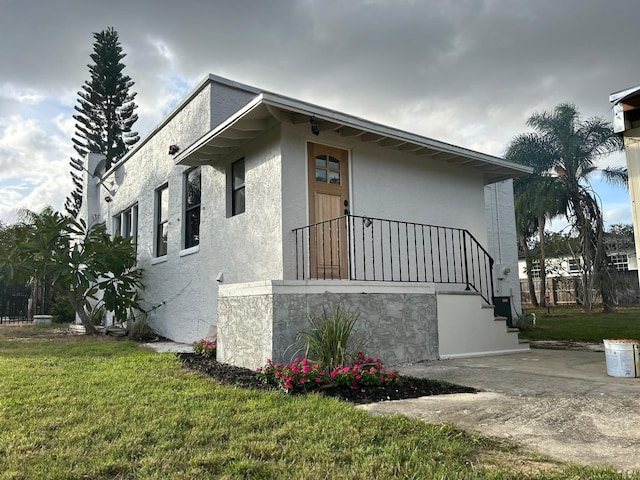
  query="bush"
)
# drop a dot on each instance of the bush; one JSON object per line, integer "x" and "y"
{"x": 306, "y": 375}
{"x": 206, "y": 348}
{"x": 328, "y": 341}
{"x": 62, "y": 310}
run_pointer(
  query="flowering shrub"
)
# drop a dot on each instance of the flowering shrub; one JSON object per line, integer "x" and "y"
{"x": 301, "y": 375}
{"x": 206, "y": 348}
{"x": 367, "y": 372}
{"x": 305, "y": 375}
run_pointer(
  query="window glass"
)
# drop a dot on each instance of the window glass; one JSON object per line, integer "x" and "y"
{"x": 162, "y": 220}
{"x": 334, "y": 177}
{"x": 125, "y": 223}
{"x": 237, "y": 187}
{"x": 192, "y": 208}
{"x": 334, "y": 163}
{"x": 321, "y": 161}
{"x": 321, "y": 175}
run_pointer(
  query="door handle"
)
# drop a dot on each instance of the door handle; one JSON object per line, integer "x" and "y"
{"x": 346, "y": 211}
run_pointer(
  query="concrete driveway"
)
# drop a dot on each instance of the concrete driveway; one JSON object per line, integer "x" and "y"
{"x": 557, "y": 402}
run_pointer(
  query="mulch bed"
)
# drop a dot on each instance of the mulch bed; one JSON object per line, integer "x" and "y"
{"x": 410, "y": 387}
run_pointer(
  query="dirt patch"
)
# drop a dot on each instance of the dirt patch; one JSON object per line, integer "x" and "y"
{"x": 409, "y": 387}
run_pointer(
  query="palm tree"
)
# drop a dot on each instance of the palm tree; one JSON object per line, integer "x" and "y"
{"x": 538, "y": 198}
{"x": 564, "y": 150}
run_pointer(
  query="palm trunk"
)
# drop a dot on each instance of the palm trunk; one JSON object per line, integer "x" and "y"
{"x": 543, "y": 263}
{"x": 527, "y": 258}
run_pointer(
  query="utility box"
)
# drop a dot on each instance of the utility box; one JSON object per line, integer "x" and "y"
{"x": 502, "y": 308}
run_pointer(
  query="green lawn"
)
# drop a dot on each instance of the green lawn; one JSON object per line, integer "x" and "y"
{"x": 101, "y": 408}
{"x": 570, "y": 323}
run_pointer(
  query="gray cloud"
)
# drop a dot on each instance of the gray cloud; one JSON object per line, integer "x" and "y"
{"x": 467, "y": 72}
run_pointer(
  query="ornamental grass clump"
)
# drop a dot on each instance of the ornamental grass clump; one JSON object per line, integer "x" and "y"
{"x": 328, "y": 340}
{"x": 206, "y": 348}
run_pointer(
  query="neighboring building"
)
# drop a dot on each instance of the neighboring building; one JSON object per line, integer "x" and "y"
{"x": 563, "y": 279}
{"x": 252, "y": 210}
{"x": 626, "y": 122}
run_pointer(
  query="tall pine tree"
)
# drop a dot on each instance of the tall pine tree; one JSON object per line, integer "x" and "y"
{"x": 105, "y": 112}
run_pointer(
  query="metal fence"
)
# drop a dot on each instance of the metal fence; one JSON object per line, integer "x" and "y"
{"x": 374, "y": 249}
{"x": 14, "y": 303}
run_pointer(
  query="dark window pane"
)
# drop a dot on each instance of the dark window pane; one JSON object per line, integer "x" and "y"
{"x": 192, "y": 234}
{"x": 334, "y": 177}
{"x": 163, "y": 230}
{"x": 334, "y": 163}
{"x": 238, "y": 174}
{"x": 321, "y": 175}
{"x": 238, "y": 201}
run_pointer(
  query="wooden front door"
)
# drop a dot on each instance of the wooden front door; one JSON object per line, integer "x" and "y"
{"x": 328, "y": 203}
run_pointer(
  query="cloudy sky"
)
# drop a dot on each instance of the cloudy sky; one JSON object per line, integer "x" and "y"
{"x": 468, "y": 72}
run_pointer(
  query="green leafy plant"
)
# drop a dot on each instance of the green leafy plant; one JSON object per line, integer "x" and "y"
{"x": 328, "y": 339}
{"x": 206, "y": 348}
{"x": 79, "y": 261}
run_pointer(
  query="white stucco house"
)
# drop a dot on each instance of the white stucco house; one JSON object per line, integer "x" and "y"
{"x": 252, "y": 210}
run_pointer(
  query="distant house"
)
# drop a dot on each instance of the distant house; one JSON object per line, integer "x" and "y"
{"x": 563, "y": 278}
{"x": 252, "y": 210}
{"x": 626, "y": 122}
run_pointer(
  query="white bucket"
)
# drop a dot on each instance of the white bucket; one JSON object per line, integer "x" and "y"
{"x": 623, "y": 358}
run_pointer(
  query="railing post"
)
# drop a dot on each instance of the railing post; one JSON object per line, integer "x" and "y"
{"x": 491, "y": 292}
{"x": 466, "y": 263}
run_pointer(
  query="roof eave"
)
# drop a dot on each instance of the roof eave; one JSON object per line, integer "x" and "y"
{"x": 247, "y": 122}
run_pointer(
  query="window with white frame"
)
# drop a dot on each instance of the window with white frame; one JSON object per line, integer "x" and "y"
{"x": 535, "y": 269}
{"x": 162, "y": 220}
{"x": 125, "y": 223}
{"x": 192, "y": 198}
{"x": 620, "y": 261}
{"x": 574, "y": 265}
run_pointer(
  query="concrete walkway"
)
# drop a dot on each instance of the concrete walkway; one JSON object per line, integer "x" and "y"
{"x": 557, "y": 402}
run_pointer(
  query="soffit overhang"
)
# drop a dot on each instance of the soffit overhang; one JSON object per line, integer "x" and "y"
{"x": 266, "y": 110}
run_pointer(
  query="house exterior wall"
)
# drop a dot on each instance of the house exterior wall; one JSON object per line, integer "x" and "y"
{"x": 262, "y": 320}
{"x": 384, "y": 184}
{"x": 180, "y": 288}
{"x": 177, "y": 293}
{"x": 632, "y": 152}
{"x": 502, "y": 243}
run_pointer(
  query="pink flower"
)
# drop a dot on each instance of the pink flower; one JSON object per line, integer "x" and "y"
{"x": 306, "y": 369}
{"x": 318, "y": 380}
{"x": 278, "y": 374}
{"x": 303, "y": 380}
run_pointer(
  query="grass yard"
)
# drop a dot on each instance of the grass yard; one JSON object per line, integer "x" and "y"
{"x": 102, "y": 408}
{"x": 570, "y": 323}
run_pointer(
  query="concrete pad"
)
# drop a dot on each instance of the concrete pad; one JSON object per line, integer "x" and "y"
{"x": 557, "y": 402}
{"x": 169, "y": 347}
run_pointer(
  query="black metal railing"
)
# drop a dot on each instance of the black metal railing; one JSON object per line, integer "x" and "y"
{"x": 374, "y": 249}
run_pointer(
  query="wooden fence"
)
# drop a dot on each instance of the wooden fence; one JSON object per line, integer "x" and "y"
{"x": 567, "y": 290}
